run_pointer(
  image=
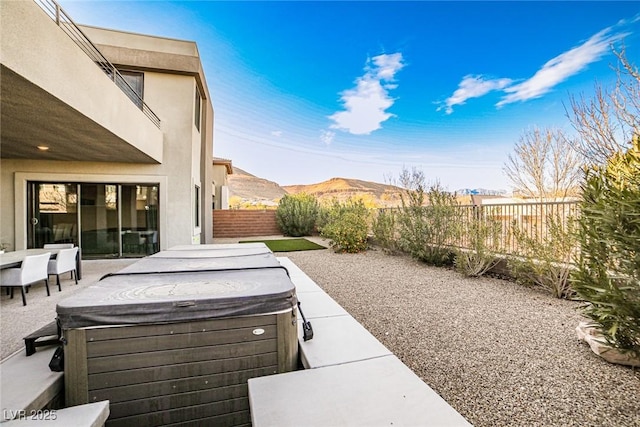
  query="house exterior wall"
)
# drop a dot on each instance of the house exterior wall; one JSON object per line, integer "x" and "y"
{"x": 35, "y": 48}
{"x": 183, "y": 154}
{"x": 173, "y": 96}
{"x": 220, "y": 180}
{"x": 207, "y": 172}
{"x": 172, "y": 60}
{"x": 22, "y": 171}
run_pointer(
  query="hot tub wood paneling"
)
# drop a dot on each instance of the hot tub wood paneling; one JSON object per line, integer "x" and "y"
{"x": 174, "y": 338}
{"x": 187, "y": 372}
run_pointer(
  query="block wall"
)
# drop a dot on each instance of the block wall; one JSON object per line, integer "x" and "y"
{"x": 244, "y": 223}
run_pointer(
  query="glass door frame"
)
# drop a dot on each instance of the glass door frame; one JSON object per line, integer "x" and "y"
{"x": 32, "y": 193}
{"x": 101, "y": 241}
{"x": 33, "y": 211}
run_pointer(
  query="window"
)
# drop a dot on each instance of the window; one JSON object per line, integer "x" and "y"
{"x": 198, "y": 108}
{"x": 135, "y": 80}
{"x": 196, "y": 207}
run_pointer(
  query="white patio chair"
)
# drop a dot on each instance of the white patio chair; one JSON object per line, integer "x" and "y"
{"x": 65, "y": 261}
{"x": 33, "y": 269}
{"x": 58, "y": 245}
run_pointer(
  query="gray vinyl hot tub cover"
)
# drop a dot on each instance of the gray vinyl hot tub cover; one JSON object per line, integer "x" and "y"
{"x": 143, "y": 297}
{"x": 197, "y": 263}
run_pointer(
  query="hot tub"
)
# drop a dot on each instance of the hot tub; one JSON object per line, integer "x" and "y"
{"x": 174, "y": 338}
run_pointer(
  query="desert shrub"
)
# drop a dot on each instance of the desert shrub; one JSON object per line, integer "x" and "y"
{"x": 607, "y": 276}
{"x": 543, "y": 258}
{"x": 427, "y": 220}
{"x": 385, "y": 230}
{"x": 296, "y": 214}
{"x": 322, "y": 217}
{"x": 479, "y": 256}
{"x": 347, "y": 225}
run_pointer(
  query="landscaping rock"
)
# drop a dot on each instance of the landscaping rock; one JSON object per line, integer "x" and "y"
{"x": 592, "y": 336}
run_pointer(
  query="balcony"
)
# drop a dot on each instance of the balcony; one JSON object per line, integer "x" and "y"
{"x": 53, "y": 94}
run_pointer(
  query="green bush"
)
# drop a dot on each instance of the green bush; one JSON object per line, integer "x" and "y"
{"x": 608, "y": 273}
{"x": 426, "y": 232}
{"x": 544, "y": 258}
{"x": 322, "y": 217}
{"x": 296, "y": 214}
{"x": 385, "y": 230}
{"x": 482, "y": 236}
{"x": 347, "y": 225}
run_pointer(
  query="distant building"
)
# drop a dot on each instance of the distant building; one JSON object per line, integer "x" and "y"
{"x": 222, "y": 168}
{"x": 480, "y": 199}
{"x": 115, "y": 158}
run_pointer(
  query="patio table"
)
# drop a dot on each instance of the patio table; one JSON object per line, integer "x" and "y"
{"x": 15, "y": 258}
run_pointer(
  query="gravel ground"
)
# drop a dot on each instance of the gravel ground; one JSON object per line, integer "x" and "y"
{"x": 501, "y": 354}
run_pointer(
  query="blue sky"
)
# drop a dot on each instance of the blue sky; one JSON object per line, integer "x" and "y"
{"x": 306, "y": 91}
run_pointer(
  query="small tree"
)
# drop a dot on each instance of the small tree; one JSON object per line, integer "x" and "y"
{"x": 607, "y": 122}
{"x": 544, "y": 165}
{"x": 608, "y": 273}
{"x": 296, "y": 214}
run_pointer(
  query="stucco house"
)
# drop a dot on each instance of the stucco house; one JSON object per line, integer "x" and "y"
{"x": 222, "y": 168}
{"x": 106, "y": 136}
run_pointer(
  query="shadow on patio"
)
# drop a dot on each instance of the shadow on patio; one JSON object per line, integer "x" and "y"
{"x": 18, "y": 321}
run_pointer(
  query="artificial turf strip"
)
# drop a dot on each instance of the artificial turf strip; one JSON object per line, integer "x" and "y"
{"x": 288, "y": 245}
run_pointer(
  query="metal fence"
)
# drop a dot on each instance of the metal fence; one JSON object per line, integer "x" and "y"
{"x": 533, "y": 220}
{"x": 66, "y": 24}
{"x": 495, "y": 224}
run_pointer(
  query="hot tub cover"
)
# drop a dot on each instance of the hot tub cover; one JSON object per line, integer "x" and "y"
{"x": 221, "y": 247}
{"x": 143, "y": 298}
{"x": 196, "y": 261}
{"x": 208, "y": 253}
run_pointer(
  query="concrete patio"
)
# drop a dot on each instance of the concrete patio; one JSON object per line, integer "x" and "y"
{"x": 18, "y": 321}
{"x": 497, "y": 352}
{"x": 382, "y": 389}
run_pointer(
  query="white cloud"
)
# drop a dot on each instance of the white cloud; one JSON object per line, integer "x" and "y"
{"x": 326, "y": 136}
{"x": 387, "y": 65}
{"x": 561, "y": 68}
{"x": 276, "y": 133}
{"x": 472, "y": 87}
{"x": 554, "y": 72}
{"x": 365, "y": 105}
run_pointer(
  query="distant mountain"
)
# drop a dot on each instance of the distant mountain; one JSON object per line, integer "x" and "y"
{"x": 252, "y": 189}
{"x": 343, "y": 188}
{"x": 249, "y": 190}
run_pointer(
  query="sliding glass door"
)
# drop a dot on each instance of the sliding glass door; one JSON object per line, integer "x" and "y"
{"x": 100, "y": 220}
{"x": 139, "y": 220}
{"x": 52, "y": 214}
{"x": 105, "y": 220}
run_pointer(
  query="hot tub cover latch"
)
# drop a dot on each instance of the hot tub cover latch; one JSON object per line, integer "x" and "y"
{"x": 307, "y": 330}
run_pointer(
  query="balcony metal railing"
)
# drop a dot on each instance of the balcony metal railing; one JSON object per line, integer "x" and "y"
{"x": 66, "y": 24}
